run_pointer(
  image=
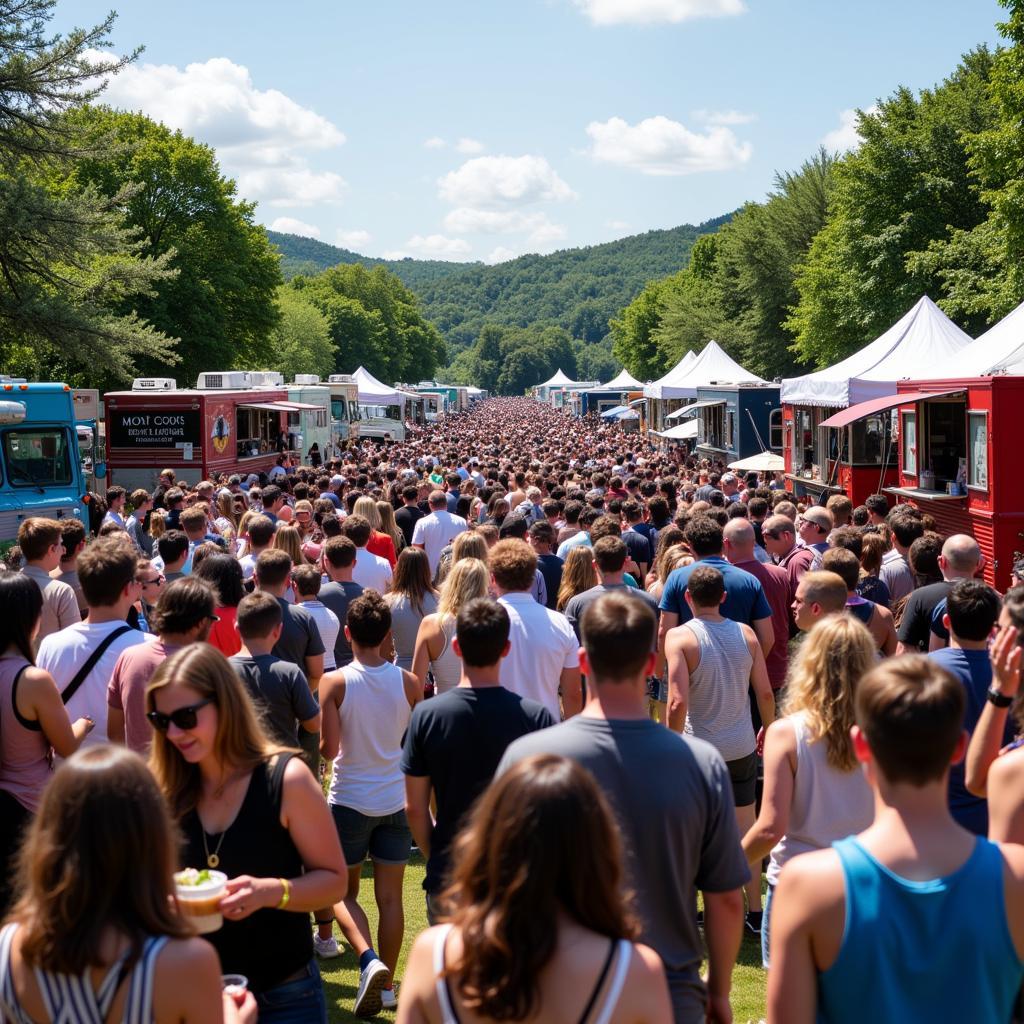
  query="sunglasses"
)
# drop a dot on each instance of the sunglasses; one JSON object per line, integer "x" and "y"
{"x": 155, "y": 581}
{"x": 184, "y": 718}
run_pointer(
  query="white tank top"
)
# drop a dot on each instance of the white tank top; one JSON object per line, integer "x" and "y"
{"x": 827, "y": 804}
{"x": 718, "y": 709}
{"x": 374, "y": 715}
{"x": 447, "y": 666}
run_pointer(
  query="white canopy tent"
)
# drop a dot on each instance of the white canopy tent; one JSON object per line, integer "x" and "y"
{"x": 625, "y": 380}
{"x": 999, "y": 350}
{"x": 559, "y": 380}
{"x": 712, "y": 366}
{"x": 374, "y": 392}
{"x": 911, "y": 349}
{"x": 681, "y": 432}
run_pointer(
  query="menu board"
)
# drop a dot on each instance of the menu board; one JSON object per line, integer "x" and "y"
{"x": 158, "y": 428}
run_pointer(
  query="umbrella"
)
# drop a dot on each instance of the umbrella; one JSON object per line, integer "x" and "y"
{"x": 766, "y": 462}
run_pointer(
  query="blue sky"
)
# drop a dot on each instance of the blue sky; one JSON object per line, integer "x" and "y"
{"x": 482, "y": 129}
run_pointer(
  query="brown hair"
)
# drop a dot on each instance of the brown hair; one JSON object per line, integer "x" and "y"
{"x": 610, "y": 553}
{"x": 873, "y": 547}
{"x": 193, "y": 519}
{"x": 72, "y": 533}
{"x": 273, "y": 567}
{"x": 618, "y": 632}
{"x": 306, "y": 579}
{"x": 184, "y": 605}
{"x": 844, "y": 564}
{"x": 340, "y": 552}
{"x": 37, "y": 535}
{"x": 289, "y": 540}
{"x": 105, "y": 568}
{"x": 541, "y": 839}
{"x": 411, "y": 579}
{"x": 513, "y": 564}
{"x": 259, "y": 614}
{"x": 577, "y": 574}
{"x": 911, "y": 711}
{"x": 826, "y": 589}
{"x": 99, "y": 854}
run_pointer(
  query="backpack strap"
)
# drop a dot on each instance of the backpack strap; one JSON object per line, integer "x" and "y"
{"x": 90, "y": 663}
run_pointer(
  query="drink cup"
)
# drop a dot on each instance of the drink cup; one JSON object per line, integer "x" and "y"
{"x": 199, "y": 900}
{"x": 234, "y": 984}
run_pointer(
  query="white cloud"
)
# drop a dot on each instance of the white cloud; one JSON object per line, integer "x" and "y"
{"x": 659, "y": 146}
{"x": 470, "y": 147}
{"x": 465, "y": 220}
{"x": 292, "y": 226}
{"x": 726, "y": 117}
{"x": 500, "y": 255}
{"x": 261, "y": 136}
{"x": 352, "y": 239}
{"x": 495, "y": 182}
{"x": 845, "y": 137}
{"x": 646, "y": 12}
{"x": 617, "y": 225}
{"x": 435, "y": 142}
{"x": 432, "y": 247}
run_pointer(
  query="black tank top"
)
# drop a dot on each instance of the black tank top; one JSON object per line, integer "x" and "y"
{"x": 270, "y": 945}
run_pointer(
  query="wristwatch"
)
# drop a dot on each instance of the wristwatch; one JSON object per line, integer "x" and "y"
{"x": 999, "y": 699}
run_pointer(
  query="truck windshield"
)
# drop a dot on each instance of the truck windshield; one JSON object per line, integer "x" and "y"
{"x": 37, "y": 458}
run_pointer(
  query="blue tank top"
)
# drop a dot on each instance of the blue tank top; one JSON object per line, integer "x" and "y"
{"x": 934, "y": 951}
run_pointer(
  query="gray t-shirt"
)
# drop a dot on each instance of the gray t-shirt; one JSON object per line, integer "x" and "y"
{"x": 581, "y": 602}
{"x": 337, "y": 597}
{"x": 673, "y": 801}
{"x": 280, "y": 690}
{"x": 300, "y": 636}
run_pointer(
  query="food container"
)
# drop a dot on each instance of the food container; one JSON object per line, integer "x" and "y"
{"x": 234, "y": 984}
{"x": 199, "y": 894}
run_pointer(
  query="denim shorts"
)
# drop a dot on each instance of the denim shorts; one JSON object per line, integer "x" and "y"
{"x": 387, "y": 839}
{"x": 300, "y": 1001}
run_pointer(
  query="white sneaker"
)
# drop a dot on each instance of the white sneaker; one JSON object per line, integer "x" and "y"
{"x": 371, "y": 981}
{"x": 388, "y": 999}
{"x": 326, "y": 949}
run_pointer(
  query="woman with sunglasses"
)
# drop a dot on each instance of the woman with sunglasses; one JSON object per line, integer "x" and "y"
{"x": 253, "y": 810}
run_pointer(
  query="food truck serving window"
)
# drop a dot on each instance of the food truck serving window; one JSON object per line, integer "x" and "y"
{"x": 908, "y": 439}
{"x": 872, "y": 439}
{"x": 945, "y": 435}
{"x": 257, "y": 431}
{"x": 37, "y": 458}
{"x": 977, "y": 450}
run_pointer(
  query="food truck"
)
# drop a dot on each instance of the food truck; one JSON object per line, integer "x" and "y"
{"x": 386, "y": 413}
{"x": 226, "y": 424}
{"x": 344, "y": 393}
{"x": 737, "y": 421}
{"x": 42, "y": 469}
{"x": 310, "y": 424}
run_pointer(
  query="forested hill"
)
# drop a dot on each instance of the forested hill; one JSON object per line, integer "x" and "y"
{"x": 576, "y": 289}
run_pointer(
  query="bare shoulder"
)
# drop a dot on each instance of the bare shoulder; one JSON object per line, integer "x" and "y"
{"x": 180, "y": 956}
{"x": 187, "y": 971}
{"x": 1007, "y": 770}
{"x": 814, "y": 881}
{"x": 646, "y": 964}
{"x": 781, "y": 735}
{"x": 883, "y": 613}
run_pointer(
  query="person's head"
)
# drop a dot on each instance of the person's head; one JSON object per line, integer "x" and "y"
{"x": 193, "y": 522}
{"x": 106, "y": 573}
{"x": 306, "y": 581}
{"x": 704, "y": 537}
{"x": 174, "y": 498}
{"x": 818, "y": 594}
{"x": 779, "y": 535}
{"x": 41, "y": 542}
{"x": 199, "y": 712}
{"x": 906, "y": 526}
{"x": 366, "y": 507}
{"x": 610, "y": 555}
{"x": 467, "y": 580}
{"x": 412, "y": 576}
{"x": 116, "y": 497}
{"x": 21, "y": 606}
{"x": 303, "y": 514}
{"x": 273, "y": 498}
{"x": 860, "y": 516}
{"x": 542, "y": 537}
{"x": 923, "y": 556}
{"x": 873, "y": 549}
{"x": 437, "y": 501}
{"x": 72, "y": 533}
{"x": 910, "y": 721}
{"x": 513, "y": 565}
{"x": 578, "y": 574}
{"x": 273, "y": 570}
{"x": 836, "y": 654}
{"x": 618, "y": 635}
{"x": 514, "y": 527}
{"x": 141, "y": 502}
{"x": 841, "y": 508}
{"x": 878, "y": 508}
{"x": 739, "y": 540}
{"x": 469, "y": 544}
{"x": 960, "y": 557}
{"x": 368, "y": 620}
{"x": 261, "y": 532}
{"x": 482, "y": 629}
{"x": 410, "y": 494}
{"x": 844, "y": 564}
{"x": 358, "y": 530}
{"x": 849, "y": 538}
{"x": 173, "y": 549}
{"x": 224, "y": 574}
{"x": 814, "y": 525}
{"x": 98, "y": 857}
{"x": 705, "y": 589}
{"x": 186, "y": 608}
{"x": 540, "y": 843}
{"x": 259, "y": 618}
{"x": 167, "y": 478}
{"x": 339, "y": 553}
{"x": 289, "y": 540}
{"x": 972, "y": 608}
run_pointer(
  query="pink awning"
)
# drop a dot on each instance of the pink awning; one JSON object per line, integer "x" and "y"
{"x": 857, "y": 412}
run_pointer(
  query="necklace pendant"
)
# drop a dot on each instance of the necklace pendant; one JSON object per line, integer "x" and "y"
{"x": 212, "y": 860}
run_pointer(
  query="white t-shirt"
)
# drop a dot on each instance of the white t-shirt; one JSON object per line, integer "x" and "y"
{"x": 435, "y": 532}
{"x": 371, "y": 571}
{"x": 543, "y": 643}
{"x": 329, "y": 625}
{"x": 63, "y": 654}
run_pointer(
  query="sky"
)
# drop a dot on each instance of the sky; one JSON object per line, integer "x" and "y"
{"x": 485, "y": 129}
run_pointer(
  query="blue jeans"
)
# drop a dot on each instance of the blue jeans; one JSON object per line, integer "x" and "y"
{"x": 295, "y": 1002}
{"x": 766, "y": 924}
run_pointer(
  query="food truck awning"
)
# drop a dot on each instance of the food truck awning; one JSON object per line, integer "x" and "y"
{"x": 279, "y": 406}
{"x": 873, "y": 405}
{"x": 693, "y": 407}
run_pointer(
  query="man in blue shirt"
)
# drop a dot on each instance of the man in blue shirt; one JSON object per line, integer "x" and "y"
{"x": 744, "y": 596}
{"x": 971, "y": 611}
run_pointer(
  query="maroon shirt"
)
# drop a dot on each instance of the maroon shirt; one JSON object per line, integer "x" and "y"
{"x": 776, "y": 585}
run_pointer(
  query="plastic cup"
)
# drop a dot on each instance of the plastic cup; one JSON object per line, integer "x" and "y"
{"x": 201, "y": 903}
{"x": 234, "y": 984}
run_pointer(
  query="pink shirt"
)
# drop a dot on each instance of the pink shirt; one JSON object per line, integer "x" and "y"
{"x": 24, "y": 766}
{"x": 126, "y": 690}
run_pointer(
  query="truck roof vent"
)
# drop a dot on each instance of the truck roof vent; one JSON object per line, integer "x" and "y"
{"x": 223, "y": 380}
{"x": 341, "y": 378}
{"x": 266, "y": 379}
{"x": 154, "y": 384}
{"x": 307, "y": 379}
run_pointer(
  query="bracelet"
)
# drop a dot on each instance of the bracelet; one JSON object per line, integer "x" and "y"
{"x": 286, "y": 893}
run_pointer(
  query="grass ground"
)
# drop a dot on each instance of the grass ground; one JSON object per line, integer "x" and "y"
{"x": 341, "y": 976}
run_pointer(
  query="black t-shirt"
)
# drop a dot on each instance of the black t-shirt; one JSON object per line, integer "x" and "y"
{"x": 551, "y": 569}
{"x": 639, "y": 548}
{"x": 915, "y": 627}
{"x": 457, "y": 740}
{"x": 406, "y": 517}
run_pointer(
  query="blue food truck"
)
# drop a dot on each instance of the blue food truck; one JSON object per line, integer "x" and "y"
{"x": 40, "y": 465}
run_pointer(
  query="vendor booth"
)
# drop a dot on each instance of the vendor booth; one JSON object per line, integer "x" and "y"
{"x": 828, "y": 451}
{"x": 735, "y": 421}
{"x": 621, "y": 390}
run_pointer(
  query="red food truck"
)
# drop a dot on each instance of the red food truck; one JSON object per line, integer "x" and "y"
{"x": 231, "y": 422}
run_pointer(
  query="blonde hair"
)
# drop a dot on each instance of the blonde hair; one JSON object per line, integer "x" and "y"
{"x": 289, "y": 540}
{"x": 226, "y": 508}
{"x": 835, "y": 655}
{"x": 366, "y": 507}
{"x": 240, "y": 741}
{"x": 577, "y": 575}
{"x": 469, "y": 544}
{"x": 389, "y": 526}
{"x": 468, "y": 580}
{"x": 157, "y": 523}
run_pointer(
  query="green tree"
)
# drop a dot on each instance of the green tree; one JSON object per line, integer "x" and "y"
{"x": 222, "y": 303}
{"x": 70, "y": 267}
{"x": 632, "y": 332}
{"x": 301, "y": 342}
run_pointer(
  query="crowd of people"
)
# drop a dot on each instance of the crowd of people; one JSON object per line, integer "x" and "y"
{"x": 626, "y": 704}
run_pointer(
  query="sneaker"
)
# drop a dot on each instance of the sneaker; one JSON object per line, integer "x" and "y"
{"x": 753, "y": 921}
{"x": 388, "y": 999}
{"x": 372, "y": 980}
{"x": 326, "y": 949}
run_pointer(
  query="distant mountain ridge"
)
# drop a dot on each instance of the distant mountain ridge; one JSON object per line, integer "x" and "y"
{"x": 575, "y": 289}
